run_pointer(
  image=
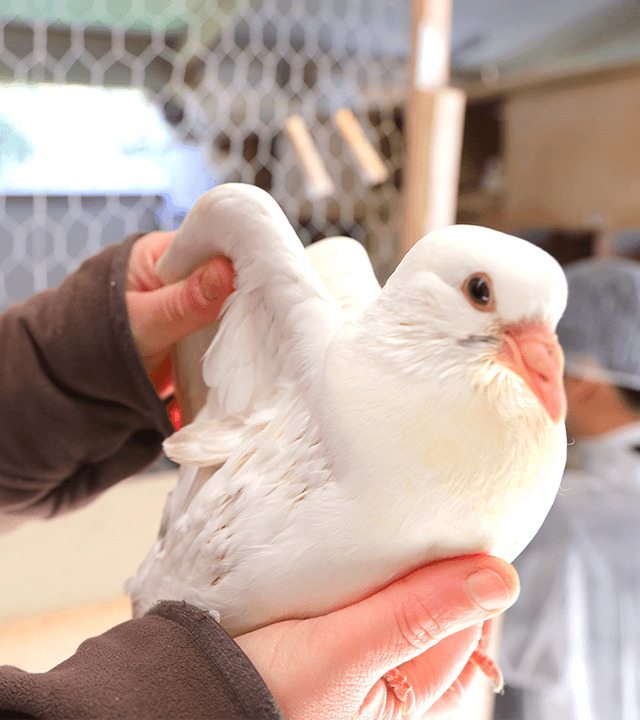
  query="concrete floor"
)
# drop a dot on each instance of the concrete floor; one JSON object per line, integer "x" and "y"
{"x": 63, "y": 579}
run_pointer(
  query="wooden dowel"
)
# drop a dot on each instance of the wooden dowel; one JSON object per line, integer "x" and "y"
{"x": 373, "y": 171}
{"x": 319, "y": 183}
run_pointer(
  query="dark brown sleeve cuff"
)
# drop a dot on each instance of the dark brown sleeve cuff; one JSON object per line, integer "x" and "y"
{"x": 175, "y": 662}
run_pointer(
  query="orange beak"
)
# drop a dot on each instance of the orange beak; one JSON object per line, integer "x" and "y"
{"x": 534, "y": 353}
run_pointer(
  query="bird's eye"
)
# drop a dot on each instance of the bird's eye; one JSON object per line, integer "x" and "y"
{"x": 478, "y": 290}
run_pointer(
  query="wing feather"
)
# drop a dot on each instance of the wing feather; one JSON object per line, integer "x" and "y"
{"x": 345, "y": 269}
{"x": 205, "y": 443}
{"x": 275, "y": 326}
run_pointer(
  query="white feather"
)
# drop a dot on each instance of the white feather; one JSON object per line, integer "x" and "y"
{"x": 358, "y": 445}
{"x": 345, "y": 269}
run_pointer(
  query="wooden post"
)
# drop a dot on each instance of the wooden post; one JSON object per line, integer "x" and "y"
{"x": 435, "y": 121}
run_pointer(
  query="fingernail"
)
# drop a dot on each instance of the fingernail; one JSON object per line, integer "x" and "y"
{"x": 211, "y": 283}
{"x": 487, "y": 589}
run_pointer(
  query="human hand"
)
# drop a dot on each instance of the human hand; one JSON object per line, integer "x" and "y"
{"x": 159, "y": 315}
{"x": 427, "y": 624}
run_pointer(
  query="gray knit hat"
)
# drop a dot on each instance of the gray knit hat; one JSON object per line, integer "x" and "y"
{"x": 600, "y": 329}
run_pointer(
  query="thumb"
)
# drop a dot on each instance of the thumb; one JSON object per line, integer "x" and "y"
{"x": 161, "y": 317}
{"x": 413, "y": 614}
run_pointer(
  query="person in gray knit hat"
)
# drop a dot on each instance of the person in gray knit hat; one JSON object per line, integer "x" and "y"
{"x": 571, "y": 644}
{"x": 599, "y": 330}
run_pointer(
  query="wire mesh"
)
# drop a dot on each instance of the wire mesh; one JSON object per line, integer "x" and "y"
{"x": 226, "y": 76}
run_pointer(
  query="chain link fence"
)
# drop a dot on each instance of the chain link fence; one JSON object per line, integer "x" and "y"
{"x": 224, "y": 76}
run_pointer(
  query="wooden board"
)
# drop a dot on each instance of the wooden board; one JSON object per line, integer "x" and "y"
{"x": 572, "y": 157}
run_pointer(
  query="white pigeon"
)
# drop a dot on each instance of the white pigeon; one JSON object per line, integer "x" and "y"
{"x": 337, "y": 450}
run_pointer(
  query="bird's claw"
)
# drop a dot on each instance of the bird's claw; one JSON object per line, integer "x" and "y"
{"x": 401, "y": 688}
{"x": 490, "y": 668}
{"x": 486, "y": 664}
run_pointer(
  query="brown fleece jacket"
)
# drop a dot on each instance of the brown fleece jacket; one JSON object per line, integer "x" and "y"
{"x": 78, "y": 414}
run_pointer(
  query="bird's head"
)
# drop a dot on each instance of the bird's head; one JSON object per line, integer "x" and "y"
{"x": 469, "y": 302}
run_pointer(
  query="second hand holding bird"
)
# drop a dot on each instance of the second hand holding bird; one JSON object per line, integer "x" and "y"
{"x": 427, "y": 624}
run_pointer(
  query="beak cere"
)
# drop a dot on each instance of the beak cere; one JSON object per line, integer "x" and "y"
{"x": 534, "y": 353}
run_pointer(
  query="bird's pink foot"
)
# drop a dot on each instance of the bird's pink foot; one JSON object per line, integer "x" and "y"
{"x": 485, "y": 663}
{"x": 401, "y": 688}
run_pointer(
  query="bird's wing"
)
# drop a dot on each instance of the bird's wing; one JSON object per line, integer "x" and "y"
{"x": 276, "y": 324}
{"x": 344, "y": 267}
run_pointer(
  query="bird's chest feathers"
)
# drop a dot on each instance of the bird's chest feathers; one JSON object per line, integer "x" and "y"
{"x": 430, "y": 454}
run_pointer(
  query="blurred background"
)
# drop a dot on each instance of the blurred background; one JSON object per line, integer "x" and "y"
{"x": 115, "y": 117}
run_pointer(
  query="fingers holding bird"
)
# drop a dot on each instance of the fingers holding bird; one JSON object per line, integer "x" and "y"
{"x": 161, "y": 315}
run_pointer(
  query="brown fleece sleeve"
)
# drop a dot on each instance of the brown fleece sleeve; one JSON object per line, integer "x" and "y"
{"x": 77, "y": 409}
{"x": 78, "y": 413}
{"x": 176, "y": 663}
